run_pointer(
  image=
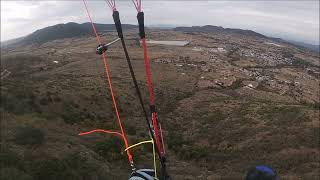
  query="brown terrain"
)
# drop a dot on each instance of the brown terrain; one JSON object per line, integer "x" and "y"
{"x": 226, "y": 102}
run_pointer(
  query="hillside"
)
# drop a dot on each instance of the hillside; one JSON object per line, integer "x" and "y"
{"x": 61, "y": 31}
{"x": 227, "y": 101}
{"x": 218, "y": 29}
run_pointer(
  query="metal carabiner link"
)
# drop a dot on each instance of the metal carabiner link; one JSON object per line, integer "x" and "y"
{"x": 104, "y": 47}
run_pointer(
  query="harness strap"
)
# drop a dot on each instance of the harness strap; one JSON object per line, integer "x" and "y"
{"x": 158, "y": 136}
{"x": 117, "y": 22}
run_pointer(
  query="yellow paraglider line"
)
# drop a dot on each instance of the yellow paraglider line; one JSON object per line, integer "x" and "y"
{"x": 153, "y": 151}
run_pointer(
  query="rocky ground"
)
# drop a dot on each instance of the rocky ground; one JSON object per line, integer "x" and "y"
{"x": 226, "y": 102}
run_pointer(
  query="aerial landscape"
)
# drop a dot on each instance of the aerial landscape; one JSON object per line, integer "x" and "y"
{"x": 228, "y": 99}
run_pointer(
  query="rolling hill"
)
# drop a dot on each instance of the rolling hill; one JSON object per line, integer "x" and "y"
{"x": 61, "y": 31}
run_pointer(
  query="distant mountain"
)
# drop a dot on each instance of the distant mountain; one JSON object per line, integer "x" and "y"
{"x": 306, "y": 46}
{"x": 11, "y": 41}
{"x": 58, "y": 31}
{"x": 61, "y": 31}
{"x": 71, "y": 29}
{"x": 219, "y": 29}
{"x": 210, "y": 28}
{"x": 315, "y": 48}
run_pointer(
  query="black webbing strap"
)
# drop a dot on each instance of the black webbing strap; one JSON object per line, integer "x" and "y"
{"x": 118, "y": 25}
{"x": 164, "y": 174}
{"x": 140, "y": 17}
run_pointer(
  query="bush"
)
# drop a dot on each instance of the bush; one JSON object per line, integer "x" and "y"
{"x": 283, "y": 115}
{"x": 13, "y": 174}
{"x": 44, "y": 101}
{"x": 19, "y": 101}
{"x": 175, "y": 141}
{"x": 49, "y": 169}
{"x": 29, "y": 136}
{"x": 131, "y": 130}
{"x": 301, "y": 63}
{"x": 194, "y": 153}
{"x": 8, "y": 159}
{"x": 111, "y": 149}
{"x": 186, "y": 150}
{"x": 70, "y": 166}
{"x": 287, "y": 54}
{"x": 72, "y": 115}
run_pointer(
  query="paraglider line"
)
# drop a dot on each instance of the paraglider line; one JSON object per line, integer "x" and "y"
{"x": 153, "y": 151}
{"x": 101, "y": 130}
{"x": 110, "y": 84}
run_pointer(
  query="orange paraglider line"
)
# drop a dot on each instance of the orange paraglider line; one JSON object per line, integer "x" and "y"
{"x": 101, "y": 130}
{"x": 110, "y": 86}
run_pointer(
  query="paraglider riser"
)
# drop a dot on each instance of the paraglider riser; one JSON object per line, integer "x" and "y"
{"x": 140, "y": 17}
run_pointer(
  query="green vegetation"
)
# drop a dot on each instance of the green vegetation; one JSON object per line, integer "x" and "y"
{"x": 44, "y": 101}
{"x": 194, "y": 153}
{"x": 214, "y": 116}
{"x": 8, "y": 159}
{"x": 233, "y": 54}
{"x": 301, "y": 62}
{"x": 19, "y": 101}
{"x": 184, "y": 149}
{"x": 111, "y": 149}
{"x": 71, "y": 115}
{"x": 13, "y": 174}
{"x": 282, "y": 115}
{"x": 20, "y": 64}
{"x": 71, "y": 166}
{"x": 131, "y": 129}
{"x": 71, "y": 118}
{"x": 29, "y": 136}
{"x": 287, "y": 54}
{"x": 175, "y": 141}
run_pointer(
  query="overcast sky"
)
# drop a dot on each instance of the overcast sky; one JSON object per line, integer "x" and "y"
{"x": 294, "y": 20}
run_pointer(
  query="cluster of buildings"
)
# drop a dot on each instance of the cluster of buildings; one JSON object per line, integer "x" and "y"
{"x": 266, "y": 58}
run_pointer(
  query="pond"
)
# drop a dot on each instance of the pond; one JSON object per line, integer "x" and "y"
{"x": 172, "y": 43}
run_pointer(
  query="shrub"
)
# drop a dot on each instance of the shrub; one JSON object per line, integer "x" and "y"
{"x": 287, "y": 54}
{"x": 13, "y": 174}
{"x": 29, "y": 136}
{"x": 70, "y": 166}
{"x": 131, "y": 130}
{"x": 49, "y": 169}
{"x": 111, "y": 149}
{"x": 283, "y": 115}
{"x": 8, "y": 159}
{"x": 301, "y": 63}
{"x": 175, "y": 141}
{"x": 44, "y": 101}
{"x": 19, "y": 101}
{"x": 72, "y": 115}
{"x": 194, "y": 153}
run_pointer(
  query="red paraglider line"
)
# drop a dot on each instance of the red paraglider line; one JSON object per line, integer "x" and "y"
{"x": 111, "y": 4}
{"x": 137, "y": 5}
{"x": 147, "y": 68}
{"x": 110, "y": 84}
{"x": 153, "y": 115}
{"x": 164, "y": 150}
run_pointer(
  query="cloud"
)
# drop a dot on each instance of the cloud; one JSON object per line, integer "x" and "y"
{"x": 293, "y": 20}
